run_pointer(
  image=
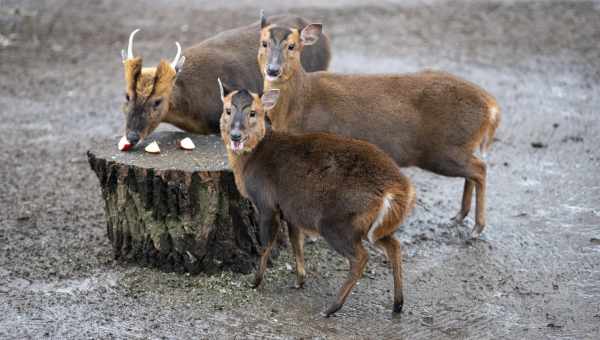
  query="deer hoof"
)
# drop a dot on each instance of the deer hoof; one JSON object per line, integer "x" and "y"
{"x": 458, "y": 219}
{"x": 398, "y": 307}
{"x": 477, "y": 230}
{"x": 257, "y": 281}
{"x": 331, "y": 310}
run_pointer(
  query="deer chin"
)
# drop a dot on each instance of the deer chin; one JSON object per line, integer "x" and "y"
{"x": 237, "y": 147}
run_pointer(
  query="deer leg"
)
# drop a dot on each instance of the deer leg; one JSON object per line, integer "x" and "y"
{"x": 391, "y": 245}
{"x": 297, "y": 241}
{"x": 268, "y": 235}
{"x": 455, "y": 163}
{"x": 480, "y": 173}
{"x": 357, "y": 267}
{"x": 466, "y": 201}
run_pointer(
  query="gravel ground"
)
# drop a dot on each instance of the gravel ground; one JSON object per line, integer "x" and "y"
{"x": 534, "y": 274}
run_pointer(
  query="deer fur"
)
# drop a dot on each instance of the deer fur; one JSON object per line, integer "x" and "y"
{"x": 430, "y": 119}
{"x": 343, "y": 189}
{"x": 186, "y": 97}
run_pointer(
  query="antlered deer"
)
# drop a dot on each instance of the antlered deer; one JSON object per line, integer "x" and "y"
{"x": 344, "y": 189}
{"x": 432, "y": 120}
{"x": 186, "y": 96}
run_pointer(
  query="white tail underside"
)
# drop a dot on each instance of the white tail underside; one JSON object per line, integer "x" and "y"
{"x": 385, "y": 207}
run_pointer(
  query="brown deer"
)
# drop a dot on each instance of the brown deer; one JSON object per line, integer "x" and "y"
{"x": 343, "y": 189}
{"x": 186, "y": 96}
{"x": 430, "y": 119}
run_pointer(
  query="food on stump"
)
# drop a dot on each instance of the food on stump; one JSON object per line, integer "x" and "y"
{"x": 186, "y": 144}
{"x": 124, "y": 144}
{"x": 152, "y": 148}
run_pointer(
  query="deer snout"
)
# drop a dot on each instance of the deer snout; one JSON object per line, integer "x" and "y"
{"x": 235, "y": 135}
{"x": 133, "y": 137}
{"x": 273, "y": 70}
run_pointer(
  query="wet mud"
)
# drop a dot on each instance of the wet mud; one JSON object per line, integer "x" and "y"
{"x": 534, "y": 274}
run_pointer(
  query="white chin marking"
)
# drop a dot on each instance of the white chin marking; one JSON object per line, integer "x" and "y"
{"x": 236, "y": 146}
{"x": 270, "y": 78}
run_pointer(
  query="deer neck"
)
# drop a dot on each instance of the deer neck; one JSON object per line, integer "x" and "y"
{"x": 177, "y": 114}
{"x": 290, "y": 102}
{"x": 237, "y": 163}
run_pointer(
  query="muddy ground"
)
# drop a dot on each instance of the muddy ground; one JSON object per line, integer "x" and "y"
{"x": 534, "y": 274}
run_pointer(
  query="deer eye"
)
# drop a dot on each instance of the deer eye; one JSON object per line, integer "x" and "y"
{"x": 127, "y": 96}
{"x": 228, "y": 111}
{"x": 252, "y": 113}
{"x": 157, "y": 103}
{"x": 264, "y": 44}
{"x": 291, "y": 47}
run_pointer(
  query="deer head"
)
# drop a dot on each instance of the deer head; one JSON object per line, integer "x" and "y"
{"x": 281, "y": 47}
{"x": 147, "y": 92}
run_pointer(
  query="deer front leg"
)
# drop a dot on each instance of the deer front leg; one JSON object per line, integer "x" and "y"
{"x": 268, "y": 229}
{"x": 297, "y": 240}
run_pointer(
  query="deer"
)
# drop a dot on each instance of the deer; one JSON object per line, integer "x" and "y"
{"x": 430, "y": 119}
{"x": 345, "y": 190}
{"x": 185, "y": 96}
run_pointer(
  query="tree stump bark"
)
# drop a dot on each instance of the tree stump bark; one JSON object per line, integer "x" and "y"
{"x": 178, "y": 210}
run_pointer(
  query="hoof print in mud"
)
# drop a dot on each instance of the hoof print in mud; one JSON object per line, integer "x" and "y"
{"x": 180, "y": 211}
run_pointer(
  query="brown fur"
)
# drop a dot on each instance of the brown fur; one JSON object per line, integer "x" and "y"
{"x": 429, "y": 119}
{"x": 318, "y": 183}
{"x": 191, "y": 101}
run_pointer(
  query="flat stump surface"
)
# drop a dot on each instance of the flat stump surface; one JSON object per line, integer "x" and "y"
{"x": 180, "y": 209}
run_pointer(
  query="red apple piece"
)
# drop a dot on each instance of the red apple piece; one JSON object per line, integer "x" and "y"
{"x": 124, "y": 144}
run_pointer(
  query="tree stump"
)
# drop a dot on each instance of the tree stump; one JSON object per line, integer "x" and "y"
{"x": 178, "y": 210}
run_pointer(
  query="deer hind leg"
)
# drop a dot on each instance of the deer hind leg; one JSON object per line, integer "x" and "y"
{"x": 465, "y": 207}
{"x": 297, "y": 241}
{"x": 480, "y": 170}
{"x": 457, "y": 164}
{"x": 391, "y": 245}
{"x": 358, "y": 262}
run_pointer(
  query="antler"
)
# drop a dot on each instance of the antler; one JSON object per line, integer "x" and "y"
{"x": 177, "y": 56}
{"x": 129, "y": 47}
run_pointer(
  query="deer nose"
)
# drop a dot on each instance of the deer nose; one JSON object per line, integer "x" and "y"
{"x": 236, "y": 136}
{"x": 273, "y": 70}
{"x": 133, "y": 137}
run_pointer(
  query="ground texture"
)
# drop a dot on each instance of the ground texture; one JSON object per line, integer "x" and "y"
{"x": 534, "y": 274}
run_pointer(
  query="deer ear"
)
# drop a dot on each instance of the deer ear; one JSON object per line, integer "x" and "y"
{"x": 269, "y": 99}
{"x": 310, "y": 34}
{"x": 223, "y": 89}
{"x": 263, "y": 19}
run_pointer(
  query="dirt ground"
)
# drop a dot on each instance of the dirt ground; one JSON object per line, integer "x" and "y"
{"x": 534, "y": 274}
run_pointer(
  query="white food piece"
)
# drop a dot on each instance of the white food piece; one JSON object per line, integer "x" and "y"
{"x": 187, "y": 144}
{"x": 124, "y": 144}
{"x": 152, "y": 148}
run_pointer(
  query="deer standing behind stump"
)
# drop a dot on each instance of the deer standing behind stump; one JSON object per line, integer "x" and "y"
{"x": 429, "y": 119}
